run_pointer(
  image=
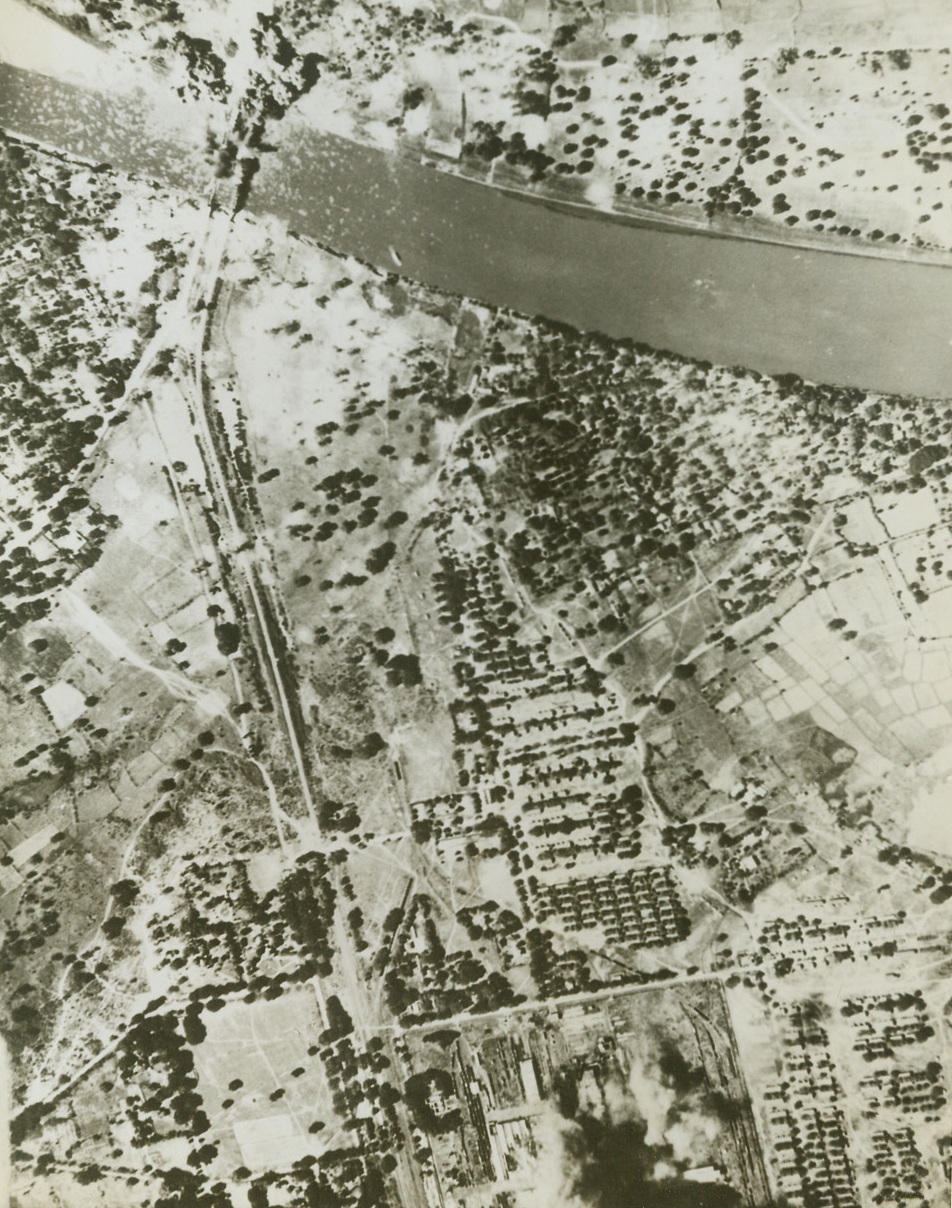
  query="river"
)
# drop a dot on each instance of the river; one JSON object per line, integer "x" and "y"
{"x": 877, "y": 323}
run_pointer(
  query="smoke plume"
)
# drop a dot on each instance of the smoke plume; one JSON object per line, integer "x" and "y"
{"x": 631, "y": 1149}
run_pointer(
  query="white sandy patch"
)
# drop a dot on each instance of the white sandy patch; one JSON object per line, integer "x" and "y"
{"x": 33, "y": 42}
{"x": 911, "y": 511}
{"x": 265, "y": 870}
{"x": 417, "y": 121}
{"x": 930, "y": 823}
{"x": 65, "y": 703}
{"x": 29, "y": 847}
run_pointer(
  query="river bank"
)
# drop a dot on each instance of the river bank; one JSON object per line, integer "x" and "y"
{"x": 667, "y": 218}
{"x": 849, "y": 320}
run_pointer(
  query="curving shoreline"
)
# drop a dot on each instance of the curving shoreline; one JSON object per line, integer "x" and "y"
{"x": 865, "y": 321}
{"x": 723, "y": 227}
{"x": 876, "y": 323}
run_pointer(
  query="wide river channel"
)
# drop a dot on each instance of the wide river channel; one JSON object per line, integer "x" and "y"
{"x": 882, "y": 324}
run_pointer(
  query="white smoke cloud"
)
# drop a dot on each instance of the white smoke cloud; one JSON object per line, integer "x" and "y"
{"x": 653, "y": 1101}
{"x": 691, "y": 1137}
{"x": 555, "y": 1173}
{"x": 677, "y": 1127}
